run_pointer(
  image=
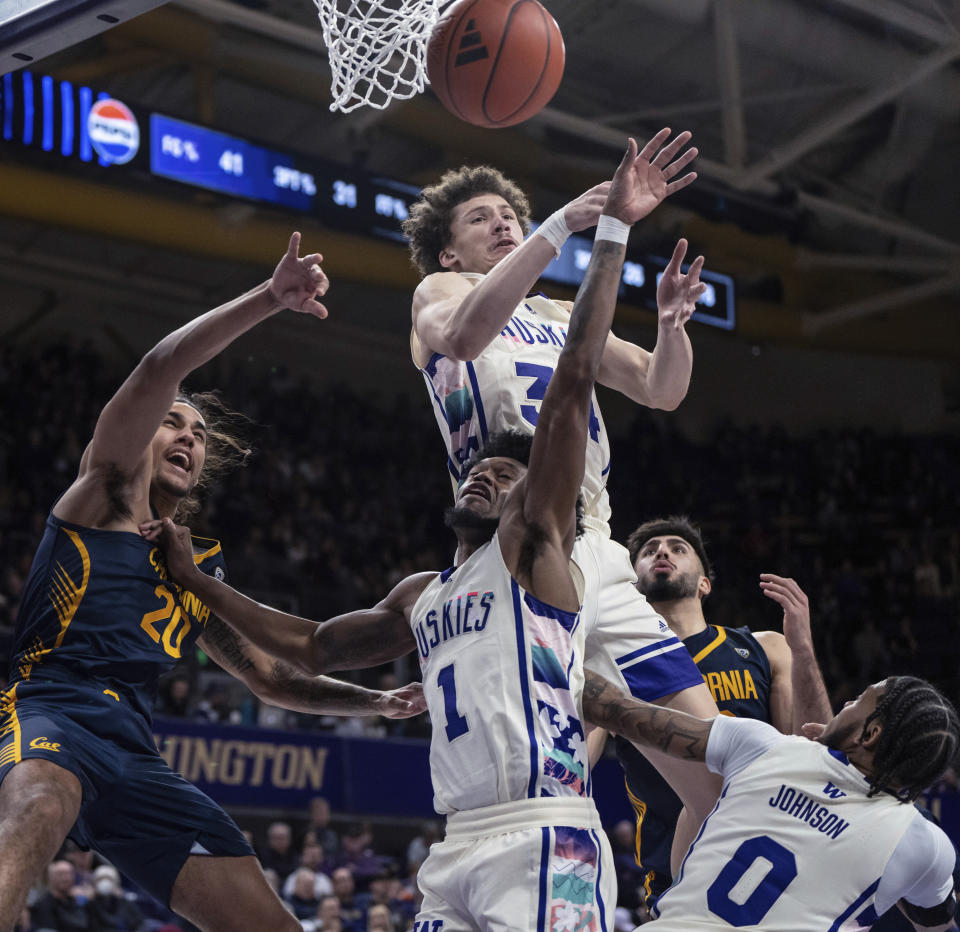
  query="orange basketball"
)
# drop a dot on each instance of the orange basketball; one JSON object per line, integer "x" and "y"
{"x": 495, "y": 62}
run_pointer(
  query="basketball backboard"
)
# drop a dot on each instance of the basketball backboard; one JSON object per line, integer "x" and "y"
{"x": 33, "y": 29}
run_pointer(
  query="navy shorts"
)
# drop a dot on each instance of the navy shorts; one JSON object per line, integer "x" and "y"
{"x": 136, "y": 812}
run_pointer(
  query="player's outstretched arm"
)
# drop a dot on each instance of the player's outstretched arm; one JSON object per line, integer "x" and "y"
{"x": 659, "y": 379}
{"x": 452, "y": 317}
{"x": 129, "y": 420}
{"x": 540, "y": 512}
{"x": 278, "y": 683}
{"x": 808, "y": 692}
{"x": 358, "y": 639}
{"x": 646, "y": 725}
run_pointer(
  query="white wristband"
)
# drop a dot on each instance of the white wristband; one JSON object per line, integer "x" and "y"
{"x": 610, "y": 228}
{"x": 555, "y": 230}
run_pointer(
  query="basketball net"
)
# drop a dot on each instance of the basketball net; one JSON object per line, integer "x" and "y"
{"x": 377, "y": 49}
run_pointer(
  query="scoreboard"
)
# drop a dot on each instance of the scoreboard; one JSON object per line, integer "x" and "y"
{"x": 73, "y": 125}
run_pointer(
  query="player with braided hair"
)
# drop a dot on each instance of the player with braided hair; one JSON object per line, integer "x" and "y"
{"x": 918, "y": 740}
{"x": 807, "y": 834}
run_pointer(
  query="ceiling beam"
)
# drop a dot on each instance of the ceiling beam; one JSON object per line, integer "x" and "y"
{"x": 814, "y": 324}
{"x": 728, "y": 78}
{"x": 829, "y": 127}
{"x": 910, "y": 21}
{"x": 923, "y": 265}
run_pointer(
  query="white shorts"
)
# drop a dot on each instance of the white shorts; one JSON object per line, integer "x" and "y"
{"x": 627, "y": 642}
{"x": 533, "y": 864}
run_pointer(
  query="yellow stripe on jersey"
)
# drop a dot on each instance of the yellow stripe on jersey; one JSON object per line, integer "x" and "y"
{"x": 716, "y": 642}
{"x": 11, "y": 723}
{"x": 211, "y": 551}
{"x": 65, "y": 595}
{"x": 640, "y": 808}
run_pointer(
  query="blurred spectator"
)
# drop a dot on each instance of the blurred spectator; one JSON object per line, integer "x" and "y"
{"x": 175, "y": 699}
{"x": 112, "y": 909}
{"x": 279, "y": 855}
{"x": 311, "y": 857}
{"x": 302, "y": 899}
{"x": 356, "y": 852}
{"x": 379, "y": 919}
{"x": 419, "y": 847}
{"x": 630, "y": 876}
{"x": 319, "y": 823}
{"x": 353, "y": 906}
{"x": 82, "y": 862}
{"x": 58, "y": 909}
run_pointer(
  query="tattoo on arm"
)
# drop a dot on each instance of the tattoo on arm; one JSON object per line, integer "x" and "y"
{"x": 667, "y": 730}
{"x": 227, "y": 647}
{"x": 319, "y": 694}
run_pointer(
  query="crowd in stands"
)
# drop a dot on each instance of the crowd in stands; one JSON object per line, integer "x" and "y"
{"x": 344, "y": 496}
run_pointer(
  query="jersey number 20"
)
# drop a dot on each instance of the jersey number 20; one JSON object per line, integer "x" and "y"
{"x": 171, "y": 614}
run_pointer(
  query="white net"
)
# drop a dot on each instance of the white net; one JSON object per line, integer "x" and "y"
{"x": 377, "y": 49}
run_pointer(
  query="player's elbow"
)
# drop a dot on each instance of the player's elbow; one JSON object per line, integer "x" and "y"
{"x": 668, "y": 402}
{"x": 664, "y": 398}
{"x": 461, "y": 344}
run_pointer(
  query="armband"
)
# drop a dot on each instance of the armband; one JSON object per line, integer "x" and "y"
{"x": 611, "y": 228}
{"x": 555, "y": 230}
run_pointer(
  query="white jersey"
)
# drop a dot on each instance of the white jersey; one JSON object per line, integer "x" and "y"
{"x": 503, "y": 679}
{"x": 795, "y": 845}
{"x": 502, "y": 390}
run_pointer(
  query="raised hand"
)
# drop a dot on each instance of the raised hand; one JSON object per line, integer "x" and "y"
{"x": 678, "y": 292}
{"x": 174, "y": 540}
{"x": 796, "y": 609}
{"x": 642, "y": 181}
{"x": 584, "y": 211}
{"x": 404, "y": 702}
{"x": 296, "y": 282}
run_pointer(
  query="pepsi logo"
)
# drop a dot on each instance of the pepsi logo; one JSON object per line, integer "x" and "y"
{"x": 114, "y": 131}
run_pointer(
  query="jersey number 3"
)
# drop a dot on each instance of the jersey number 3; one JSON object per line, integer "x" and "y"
{"x": 541, "y": 376}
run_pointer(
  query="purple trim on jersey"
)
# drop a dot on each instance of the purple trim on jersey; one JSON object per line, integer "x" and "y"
{"x": 693, "y": 844}
{"x": 854, "y": 906}
{"x": 431, "y": 367}
{"x": 525, "y": 690}
{"x": 839, "y": 755}
{"x": 661, "y": 675}
{"x": 659, "y": 645}
{"x": 567, "y": 620}
{"x": 600, "y": 906}
{"x": 605, "y": 470}
{"x": 544, "y": 866}
{"x": 478, "y": 401}
{"x": 447, "y": 573}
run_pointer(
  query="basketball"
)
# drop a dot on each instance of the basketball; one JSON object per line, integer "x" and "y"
{"x": 495, "y": 62}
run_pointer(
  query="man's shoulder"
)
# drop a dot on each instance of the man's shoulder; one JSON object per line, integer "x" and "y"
{"x": 208, "y": 555}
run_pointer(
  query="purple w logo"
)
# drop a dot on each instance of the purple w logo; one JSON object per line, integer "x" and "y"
{"x": 834, "y": 792}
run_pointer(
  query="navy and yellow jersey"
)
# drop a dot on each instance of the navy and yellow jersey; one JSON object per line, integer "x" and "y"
{"x": 98, "y": 611}
{"x": 737, "y": 672}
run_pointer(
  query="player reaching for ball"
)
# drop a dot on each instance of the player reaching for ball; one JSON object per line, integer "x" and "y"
{"x": 487, "y": 354}
{"x": 500, "y": 644}
{"x": 100, "y": 621}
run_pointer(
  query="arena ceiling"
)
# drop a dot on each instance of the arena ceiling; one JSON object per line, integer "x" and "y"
{"x": 829, "y": 133}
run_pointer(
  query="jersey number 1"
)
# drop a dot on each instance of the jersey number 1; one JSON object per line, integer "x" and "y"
{"x": 456, "y": 723}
